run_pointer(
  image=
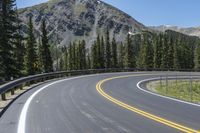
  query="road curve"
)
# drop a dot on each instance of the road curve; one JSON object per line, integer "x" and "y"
{"x": 74, "y": 105}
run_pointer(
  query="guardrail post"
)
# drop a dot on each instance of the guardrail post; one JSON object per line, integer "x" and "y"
{"x": 13, "y": 91}
{"x": 42, "y": 79}
{"x": 32, "y": 82}
{"x": 3, "y": 96}
{"x": 21, "y": 87}
{"x": 27, "y": 83}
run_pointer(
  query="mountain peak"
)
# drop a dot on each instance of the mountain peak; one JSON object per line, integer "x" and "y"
{"x": 80, "y": 19}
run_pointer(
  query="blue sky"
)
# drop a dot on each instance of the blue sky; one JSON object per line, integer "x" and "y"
{"x": 184, "y": 13}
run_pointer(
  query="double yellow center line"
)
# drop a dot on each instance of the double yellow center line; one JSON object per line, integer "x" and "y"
{"x": 138, "y": 111}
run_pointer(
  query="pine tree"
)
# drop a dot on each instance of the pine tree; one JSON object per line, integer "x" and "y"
{"x": 142, "y": 59}
{"x": 197, "y": 57}
{"x": 74, "y": 56}
{"x": 70, "y": 57}
{"x": 102, "y": 56}
{"x": 94, "y": 56}
{"x": 61, "y": 64}
{"x": 121, "y": 56}
{"x": 181, "y": 54}
{"x": 98, "y": 50}
{"x": 170, "y": 56}
{"x": 78, "y": 55}
{"x": 129, "y": 59}
{"x": 158, "y": 51}
{"x": 114, "y": 54}
{"x": 164, "y": 58}
{"x": 108, "y": 50}
{"x": 1, "y": 43}
{"x": 66, "y": 60}
{"x": 175, "y": 57}
{"x": 82, "y": 52}
{"x": 19, "y": 49}
{"x": 9, "y": 28}
{"x": 150, "y": 51}
{"x": 146, "y": 54}
{"x": 46, "y": 54}
{"x": 31, "y": 59}
{"x": 187, "y": 54}
{"x": 88, "y": 61}
{"x": 40, "y": 56}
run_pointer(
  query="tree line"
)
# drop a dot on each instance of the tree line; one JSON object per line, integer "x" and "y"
{"x": 164, "y": 51}
{"x": 20, "y": 55}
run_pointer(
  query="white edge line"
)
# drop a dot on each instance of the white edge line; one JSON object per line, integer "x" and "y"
{"x": 173, "y": 99}
{"x": 22, "y": 118}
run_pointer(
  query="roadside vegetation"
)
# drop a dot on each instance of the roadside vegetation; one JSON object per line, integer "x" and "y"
{"x": 186, "y": 90}
{"x": 23, "y": 54}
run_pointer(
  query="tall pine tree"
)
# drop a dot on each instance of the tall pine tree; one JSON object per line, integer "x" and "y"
{"x": 170, "y": 56}
{"x": 82, "y": 52}
{"x": 129, "y": 59}
{"x": 94, "y": 56}
{"x": 164, "y": 58}
{"x": 88, "y": 61}
{"x": 108, "y": 50}
{"x": 157, "y": 51}
{"x": 197, "y": 57}
{"x": 74, "y": 56}
{"x": 114, "y": 53}
{"x": 8, "y": 25}
{"x": 46, "y": 54}
{"x": 175, "y": 57}
{"x": 1, "y": 42}
{"x": 121, "y": 56}
{"x": 102, "y": 55}
{"x": 98, "y": 50}
{"x": 61, "y": 64}
{"x": 142, "y": 59}
{"x": 66, "y": 60}
{"x": 40, "y": 56}
{"x": 70, "y": 57}
{"x": 31, "y": 58}
{"x": 19, "y": 49}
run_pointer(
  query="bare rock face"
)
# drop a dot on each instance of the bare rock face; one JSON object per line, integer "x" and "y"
{"x": 70, "y": 20}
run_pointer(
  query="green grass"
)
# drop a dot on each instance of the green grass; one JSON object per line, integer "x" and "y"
{"x": 181, "y": 89}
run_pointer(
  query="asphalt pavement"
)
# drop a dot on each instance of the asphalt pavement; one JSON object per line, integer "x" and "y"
{"x": 74, "y": 105}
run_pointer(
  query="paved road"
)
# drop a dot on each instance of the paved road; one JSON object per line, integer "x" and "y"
{"x": 75, "y": 106}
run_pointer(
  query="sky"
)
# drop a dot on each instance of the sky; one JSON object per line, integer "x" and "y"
{"x": 183, "y": 13}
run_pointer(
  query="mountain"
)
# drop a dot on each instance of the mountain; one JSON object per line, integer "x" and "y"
{"x": 69, "y": 20}
{"x": 191, "y": 31}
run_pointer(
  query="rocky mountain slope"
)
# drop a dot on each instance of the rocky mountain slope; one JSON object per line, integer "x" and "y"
{"x": 191, "y": 31}
{"x": 69, "y": 20}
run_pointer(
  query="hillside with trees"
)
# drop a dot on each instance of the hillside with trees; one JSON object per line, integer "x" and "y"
{"x": 22, "y": 55}
{"x": 148, "y": 51}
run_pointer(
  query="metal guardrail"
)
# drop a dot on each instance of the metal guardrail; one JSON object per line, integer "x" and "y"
{"x": 19, "y": 83}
